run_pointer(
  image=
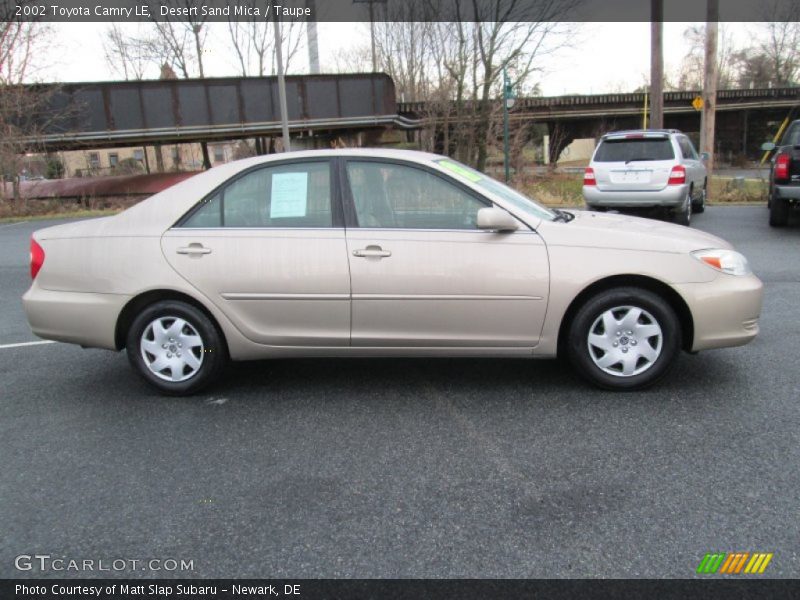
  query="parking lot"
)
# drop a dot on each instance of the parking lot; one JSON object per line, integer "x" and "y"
{"x": 408, "y": 468}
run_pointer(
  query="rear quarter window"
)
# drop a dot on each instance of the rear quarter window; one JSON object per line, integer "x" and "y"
{"x": 640, "y": 149}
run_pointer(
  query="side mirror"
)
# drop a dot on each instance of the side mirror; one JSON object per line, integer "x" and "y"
{"x": 704, "y": 156}
{"x": 768, "y": 146}
{"x": 496, "y": 219}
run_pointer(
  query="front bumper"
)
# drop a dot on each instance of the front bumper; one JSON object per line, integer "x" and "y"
{"x": 672, "y": 196}
{"x": 725, "y": 311}
{"x": 74, "y": 317}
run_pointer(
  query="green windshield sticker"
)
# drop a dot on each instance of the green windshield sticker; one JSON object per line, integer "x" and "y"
{"x": 457, "y": 168}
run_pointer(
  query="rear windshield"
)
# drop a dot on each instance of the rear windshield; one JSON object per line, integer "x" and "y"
{"x": 627, "y": 150}
{"x": 792, "y": 137}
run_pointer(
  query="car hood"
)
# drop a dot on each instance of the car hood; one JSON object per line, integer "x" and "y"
{"x": 610, "y": 230}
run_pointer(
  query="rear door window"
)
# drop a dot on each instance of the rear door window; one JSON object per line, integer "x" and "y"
{"x": 634, "y": 149}
{"x": 290, "y": 195}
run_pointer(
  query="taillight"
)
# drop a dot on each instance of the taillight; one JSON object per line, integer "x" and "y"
{"x": 782, "y": 166}
{"x": 677, "y": 176}
{"x": 588, "y": 177}
{"x": 37, "y": 258}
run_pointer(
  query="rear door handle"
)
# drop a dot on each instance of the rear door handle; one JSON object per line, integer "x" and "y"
{"x": 372, "y": 252}
{"x": 194, "y": 249}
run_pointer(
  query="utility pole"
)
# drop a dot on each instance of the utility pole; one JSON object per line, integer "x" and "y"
{"x": 708, "y": 117}
{"x": 312, "y": 38}
{"x": 372, "y": 36}
{"x": 282, "y": 87}
{"x": 372, "y": 28}
{"x": 656, "y": 64}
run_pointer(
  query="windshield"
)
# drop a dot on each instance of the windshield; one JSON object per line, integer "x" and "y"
{"x": 493, "y": 186}
{"x": 634, "y": 149}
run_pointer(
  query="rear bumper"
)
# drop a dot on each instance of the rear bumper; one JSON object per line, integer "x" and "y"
{"x": 787, "y": 192}
{"x": 74, "y": 317}
{"x": 672, "y": 196}
{"x": 725, "y": 311}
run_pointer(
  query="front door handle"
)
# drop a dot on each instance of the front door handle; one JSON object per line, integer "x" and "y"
{"x": 194, "y": 249}
{"x": 372, "y": 252}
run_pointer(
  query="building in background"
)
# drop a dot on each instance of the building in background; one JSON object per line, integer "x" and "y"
{"x": 143, "y": 159}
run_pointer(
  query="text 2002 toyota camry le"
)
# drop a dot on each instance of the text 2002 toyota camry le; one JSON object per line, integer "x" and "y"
{"x": 382, "y": 253}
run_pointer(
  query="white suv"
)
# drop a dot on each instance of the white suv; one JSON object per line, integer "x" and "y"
{"x": 647, "y": 168}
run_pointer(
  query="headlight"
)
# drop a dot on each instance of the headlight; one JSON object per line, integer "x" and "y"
{"x": 727, "y": 261}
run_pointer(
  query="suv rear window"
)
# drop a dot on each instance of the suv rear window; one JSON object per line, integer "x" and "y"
{"x": 792, "y": 137}
{"x": 631, "y": 149}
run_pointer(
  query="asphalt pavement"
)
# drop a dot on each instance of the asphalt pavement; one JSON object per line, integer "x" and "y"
{"x": 406, "y": 468}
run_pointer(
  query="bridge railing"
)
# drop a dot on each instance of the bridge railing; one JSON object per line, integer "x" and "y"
{"x": 723, "y": 96}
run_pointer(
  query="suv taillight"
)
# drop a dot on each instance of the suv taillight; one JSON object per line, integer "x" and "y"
{"x": 37, "y": 258}
{"x": 588, "y": 177}
{"x": 782, "y": 167}
{"x": 677, "y": 176}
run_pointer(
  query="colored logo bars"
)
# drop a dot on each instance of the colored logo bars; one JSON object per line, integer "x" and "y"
{"x": 734, "y": 563}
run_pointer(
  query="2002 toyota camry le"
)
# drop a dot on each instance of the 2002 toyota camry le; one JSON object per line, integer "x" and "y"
{"x": 382, "y": 253}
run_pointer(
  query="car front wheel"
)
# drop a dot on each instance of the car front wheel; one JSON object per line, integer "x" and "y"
{"x": 176, "y": 348}
{"x": 624, "y": 339}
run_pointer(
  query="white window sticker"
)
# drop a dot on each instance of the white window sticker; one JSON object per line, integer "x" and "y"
{"x": 289, "y": 195}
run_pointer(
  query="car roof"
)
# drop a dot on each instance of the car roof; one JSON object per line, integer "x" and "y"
{"x": 391, "y": 153}
{"x": 626, "y": 132}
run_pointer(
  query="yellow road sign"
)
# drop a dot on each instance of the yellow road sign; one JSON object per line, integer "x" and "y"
{"x": 697, "y": 103}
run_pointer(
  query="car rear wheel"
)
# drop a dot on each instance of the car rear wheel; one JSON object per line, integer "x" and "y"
{"x": 624, "y": 339}
{"x": 699, "y": 206}
{"x": 778, "y": 212}
{"x": 176, "y": 348}
{"x": 683, "y": 215}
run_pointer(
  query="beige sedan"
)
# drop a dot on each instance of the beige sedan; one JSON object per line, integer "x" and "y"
{"x": 382, "y": 253}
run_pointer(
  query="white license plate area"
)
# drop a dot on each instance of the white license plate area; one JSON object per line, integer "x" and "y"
{"x": 631, "y": 176}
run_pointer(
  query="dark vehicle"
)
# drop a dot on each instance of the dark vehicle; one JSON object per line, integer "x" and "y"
{"x": 784, "y": 177}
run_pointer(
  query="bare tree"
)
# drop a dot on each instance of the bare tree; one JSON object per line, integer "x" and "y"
{"x": 253, "y": 44}
{"x": 781, "y": 43}
{"x": 403, "y": 43}
{"x": 20, "y": 44}
{"x": 475, "y": 54}
{"x": 22, "y": 107}
{"x": 179, "y": 44}
{"x": 126, "y": 55}
{"x": 692, "y": 68}
{"x": 355, "y": 59}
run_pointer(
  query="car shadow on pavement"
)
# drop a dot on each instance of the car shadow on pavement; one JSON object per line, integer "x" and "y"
{"x": 515, "y": 379}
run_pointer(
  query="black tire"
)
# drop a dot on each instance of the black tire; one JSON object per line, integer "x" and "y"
{"x": 586, "y": 321}
{"x": 699, "y": 205}
{"x": 212, "y": 355}
{"x": 683, "y": 215}
{"x": 778, "y": 212}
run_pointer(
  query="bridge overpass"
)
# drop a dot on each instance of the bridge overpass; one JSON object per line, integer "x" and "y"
{"x": 745, "y": 118}
{"x": 75, "y": 116}
{"x": 129, "y": 113}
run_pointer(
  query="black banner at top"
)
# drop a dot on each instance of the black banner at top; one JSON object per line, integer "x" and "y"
{"x": 392, "y": 10}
